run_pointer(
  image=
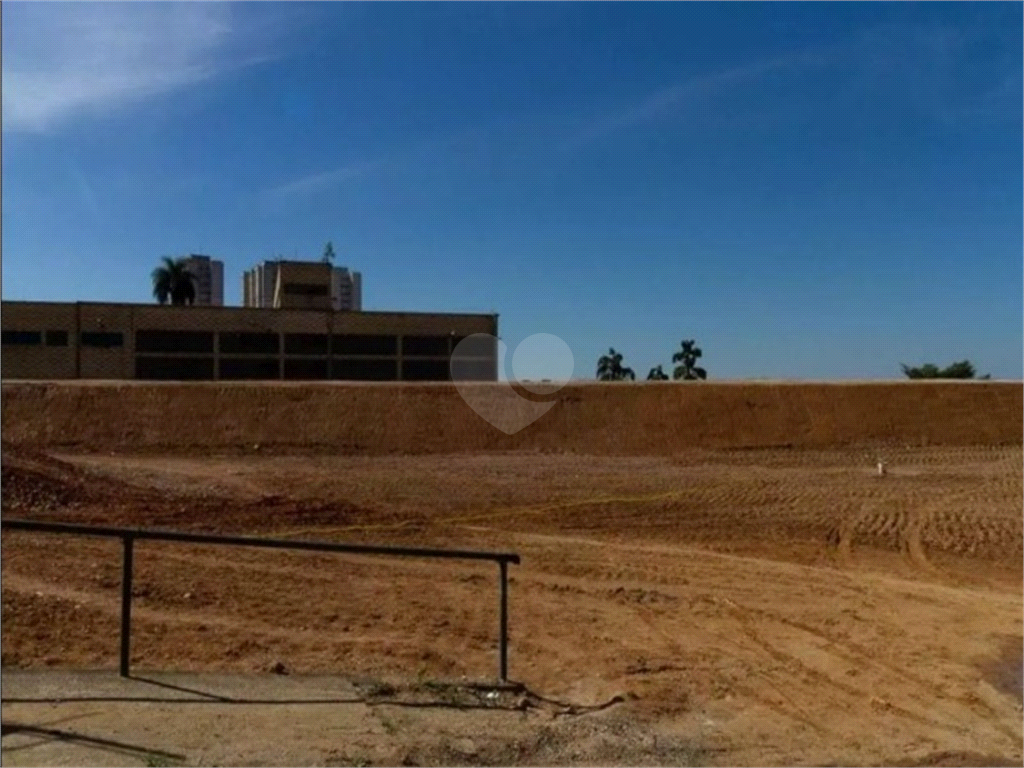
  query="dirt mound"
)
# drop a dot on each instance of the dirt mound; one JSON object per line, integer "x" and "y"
{"x": 34, "y": 482}
{"x": 39, "y": 487}
{"x": 594, "y": 419}
{"x": 29, "y": 489}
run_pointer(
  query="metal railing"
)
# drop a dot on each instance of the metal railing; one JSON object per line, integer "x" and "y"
{"x": 129, "y": 535}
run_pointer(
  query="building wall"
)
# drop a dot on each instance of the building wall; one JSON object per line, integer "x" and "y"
{"x": 346, "y": 289}
{"x": 303, "y": 285}
{"x": 217, "y": 283}
{"x": 125, "y": 341}
{"x": 209, "y": 275}
{"x": 357, "y": 291}
{"x": 259, "y": 284}
{"x": 56, "y": 324}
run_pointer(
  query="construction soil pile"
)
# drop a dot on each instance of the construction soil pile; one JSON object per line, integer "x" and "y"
{"x": 770, "y": 601}
{"x": 653, "y": 419}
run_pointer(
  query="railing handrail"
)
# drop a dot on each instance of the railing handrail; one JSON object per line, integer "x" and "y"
{"x": 129, "y": 536}
{"x": 253, "y": 541}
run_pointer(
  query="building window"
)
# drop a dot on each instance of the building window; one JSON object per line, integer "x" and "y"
{"x": 427, "y": 346}
{"x": 305, "y": 369}
{"x": 356, "y": 344}
{"x": 102, "y": 339}
{"x": 174, "y": 368}
{"x": 364, "y": 370}
{"x": 472, "y": 369}
{"x": 477, "y": 345}
{"x": 241, "y": 368}
{"x": 173, "y": 341}
{"x": 305, "y": 343}
{"x": 305, "y": 289}
{"x": 21, "y": 338}
{"x": 250, "y": 343}
{"x": 425, "y": 370}
{"x": 56, "y": 338}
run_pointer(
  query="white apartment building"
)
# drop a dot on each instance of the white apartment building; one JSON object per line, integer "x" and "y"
{"x": 346, "y": 289}
{"x": 209, "y": 279}
{"x": 259, "y": 283}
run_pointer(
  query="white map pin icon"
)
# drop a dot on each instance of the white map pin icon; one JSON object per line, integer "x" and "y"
{"x": 497, "y": 402}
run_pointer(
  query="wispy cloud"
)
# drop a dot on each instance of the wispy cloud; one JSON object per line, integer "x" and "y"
{"x": 675, "y": 96}
{"x": 927, "y": 69}
{"x": 450, "y": 148}
{"x": 321, "y": 181}
{"x": 62, "y": 61}
{"x": 943, "y": 74}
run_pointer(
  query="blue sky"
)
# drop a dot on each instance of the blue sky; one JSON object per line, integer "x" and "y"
{"x": 812, "y": 191}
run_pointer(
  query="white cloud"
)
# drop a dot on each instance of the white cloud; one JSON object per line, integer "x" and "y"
{"x": 657, "y": 104}
{"x": 62, "y": 61}
{"x": 319, "y": 182}
{"x": 928, "y": 69}
{"x": 449, "y": 148}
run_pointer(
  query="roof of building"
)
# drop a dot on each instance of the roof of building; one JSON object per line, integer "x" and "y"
{"x": 228, "y": 308}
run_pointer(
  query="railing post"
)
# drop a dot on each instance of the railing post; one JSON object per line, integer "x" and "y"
{"x": 503, "y": 621}
{"x": 126, "y": 604}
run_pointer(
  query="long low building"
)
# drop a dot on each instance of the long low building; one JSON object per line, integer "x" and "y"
{"x": 84, "y": 340}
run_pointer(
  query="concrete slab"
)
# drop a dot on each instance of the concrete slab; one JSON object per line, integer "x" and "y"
{"x": 39, "y": 686}
{"x": 66, "y": 718}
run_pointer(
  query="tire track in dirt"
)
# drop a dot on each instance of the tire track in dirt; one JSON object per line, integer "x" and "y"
{"x": 852, "y": 654}
{"x": 929, "y": 698}
{"x": 787, "y": 660}
{"x": 27, "y": 586}
{"x": 654, "y": 620}
{"x": 932, "y": 696}
{"x": 914, "y": 548}
{"x": 794, "y": 712}
{"x": 754, "y": 588}
{"x": 793, "y": 661}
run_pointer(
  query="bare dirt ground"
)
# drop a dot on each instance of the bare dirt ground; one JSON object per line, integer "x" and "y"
{"x": 729, "y": 607}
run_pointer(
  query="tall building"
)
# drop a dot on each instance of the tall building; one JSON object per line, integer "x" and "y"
{"x": 293, "y": 284}
{"x": 346, "y": 289}
{"x": 258, "y": 285}
{"x": 209, "y": 275}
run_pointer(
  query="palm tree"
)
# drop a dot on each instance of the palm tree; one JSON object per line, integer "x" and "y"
{"x": 687, "y": 356}
{"x": 657, "y": 374}
{"x": 610, "y": 368}
{"x": 173, "y": 282}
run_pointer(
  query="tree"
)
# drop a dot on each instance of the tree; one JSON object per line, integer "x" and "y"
{"x": 961, "y": 370}
{"x": 173, "y": 282}
{"x": 328, "y": 257}
{"x": 610, "y": 368}
{"x": 657, "y": 374}
{"x": 687, "y": 357}
{"x": 926, "y": 371}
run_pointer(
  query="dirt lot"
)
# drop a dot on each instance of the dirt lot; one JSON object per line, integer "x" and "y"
{"x": 764, "y": 606}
